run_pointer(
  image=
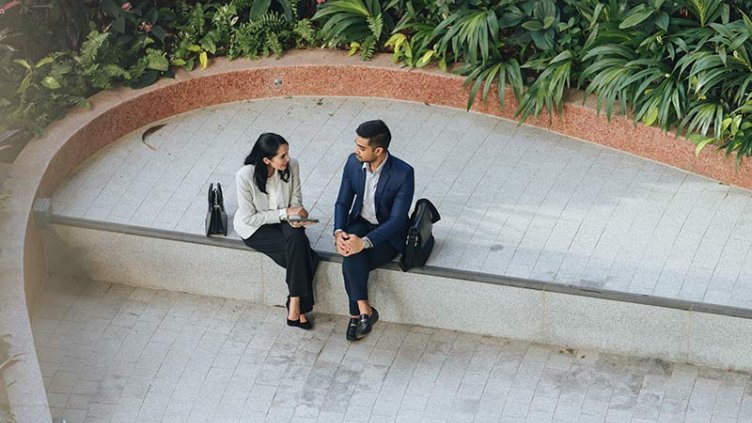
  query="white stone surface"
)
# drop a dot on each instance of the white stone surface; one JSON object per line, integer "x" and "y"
{"x": 719, "y": 338}
{"x": 458, "y": 304}
{"x": 624, "y": 327}
{"x": 515, "y": 200}
{"x": 161, "y": 264}
{"x": 123, "y": 354}
{"x": 416, "y": 299}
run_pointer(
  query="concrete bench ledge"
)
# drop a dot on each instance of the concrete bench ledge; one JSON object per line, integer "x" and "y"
{"x": 437, "y": 271}
{"x": 531, "y": 310}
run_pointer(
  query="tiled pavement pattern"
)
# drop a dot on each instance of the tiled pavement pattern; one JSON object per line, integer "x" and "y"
{"x": 113, "y": 353}
{"x": 514, "y": 200}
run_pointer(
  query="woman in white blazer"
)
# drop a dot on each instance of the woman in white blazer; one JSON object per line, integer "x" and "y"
{"x": 268, "y": 194}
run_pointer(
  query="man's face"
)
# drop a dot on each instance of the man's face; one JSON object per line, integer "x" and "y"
{"x": 363, "y": 150}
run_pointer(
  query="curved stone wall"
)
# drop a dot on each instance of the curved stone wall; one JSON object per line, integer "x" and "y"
{"x": 49, "y": 160}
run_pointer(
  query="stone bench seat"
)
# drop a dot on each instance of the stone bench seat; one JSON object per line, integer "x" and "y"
{"x": 431, "y": 296}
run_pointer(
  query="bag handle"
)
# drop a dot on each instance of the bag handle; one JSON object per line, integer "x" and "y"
{"x": 220, "y": 197}
{"x": 211, "y": 195}
{"x": 435, "y": 216}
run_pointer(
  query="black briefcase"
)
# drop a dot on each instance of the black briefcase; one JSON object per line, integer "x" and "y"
{"x": 216, "y": 218}
{"x": 420, "y": 240}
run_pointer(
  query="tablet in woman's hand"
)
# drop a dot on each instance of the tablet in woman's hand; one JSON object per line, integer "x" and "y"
{"x": 301, "y": 219}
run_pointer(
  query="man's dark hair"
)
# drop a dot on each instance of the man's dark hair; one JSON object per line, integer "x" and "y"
{"x": 376, "y": 132}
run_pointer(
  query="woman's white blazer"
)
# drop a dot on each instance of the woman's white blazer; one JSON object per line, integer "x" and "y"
{"x": 253, "y": 205}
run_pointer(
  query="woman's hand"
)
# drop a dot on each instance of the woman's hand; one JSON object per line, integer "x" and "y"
{"x": 297, "y": 211}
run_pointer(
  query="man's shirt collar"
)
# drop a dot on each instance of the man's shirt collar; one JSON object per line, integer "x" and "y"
{"x": 367, "y": 166}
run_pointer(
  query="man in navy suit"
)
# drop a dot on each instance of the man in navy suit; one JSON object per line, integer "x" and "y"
{"x": 370, "y": 217}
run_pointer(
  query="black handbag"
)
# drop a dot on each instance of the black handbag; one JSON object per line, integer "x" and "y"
{"x": 216, "y": 218}
{"x": 420, "y": 240}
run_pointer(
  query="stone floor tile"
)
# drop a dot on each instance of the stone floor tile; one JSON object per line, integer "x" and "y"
{"x": 431, "y": 375}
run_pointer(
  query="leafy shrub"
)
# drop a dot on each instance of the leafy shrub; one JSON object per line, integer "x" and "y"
{"x": 132, "y": 43}
{"x": 685, "y": 65}
{"x": 361, "y": 25}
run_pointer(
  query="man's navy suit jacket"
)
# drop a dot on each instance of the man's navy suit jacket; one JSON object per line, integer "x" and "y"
{"x": 393, "y": 197}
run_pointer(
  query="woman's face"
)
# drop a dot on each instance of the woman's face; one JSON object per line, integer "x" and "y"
{"x": 280, "y": 160}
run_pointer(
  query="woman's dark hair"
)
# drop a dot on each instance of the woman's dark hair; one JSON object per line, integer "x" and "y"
{"x": 266, "y": 147}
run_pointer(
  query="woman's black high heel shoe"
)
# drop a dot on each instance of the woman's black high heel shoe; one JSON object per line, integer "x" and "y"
{"x": 297, "y": 323}
{"x": 307, "y": 325}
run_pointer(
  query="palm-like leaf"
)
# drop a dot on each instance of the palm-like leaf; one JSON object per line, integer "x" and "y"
{"x": 609, "y": 75}
{"x": 5, "y": 35}
{"x": 501, "y": 72}
{"x": 469, "y": 34}
{"x": 354, "y": 21}
{"x": 548, "y": 90}
{"x": 741, "y": 143}
{"x": 703, "y": 116}
{"x": 708, "y": 11}
{"x": 663, "y": 99}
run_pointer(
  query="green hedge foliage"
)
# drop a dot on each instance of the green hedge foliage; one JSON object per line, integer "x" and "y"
{"x": 685, "y": 66}
{"x": 682, "y": 65}
{"x": 131, "y": 43}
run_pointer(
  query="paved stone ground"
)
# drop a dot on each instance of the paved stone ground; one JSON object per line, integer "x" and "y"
{"x": 113, "y": 353}
{"x": 514, "y": 200}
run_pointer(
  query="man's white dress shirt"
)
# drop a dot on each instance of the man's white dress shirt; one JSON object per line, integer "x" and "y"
{"x": 368, "y": 212}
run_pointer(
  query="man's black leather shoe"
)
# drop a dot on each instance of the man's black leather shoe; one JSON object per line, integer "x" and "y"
{"x": 351, "y": 328}
{"x": 366, "y": 322}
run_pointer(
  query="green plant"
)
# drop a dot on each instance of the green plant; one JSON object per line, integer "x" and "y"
{"x": 736, "y": 133}
{"x": 501, "y": 72}
{"x": 548, "y": 88}
{"x": 413, "y": 41}
{"x": 269, "y": 34}
{"x": 135, "y": 19}
{"x": 10, "y": 76}
{"x": 557, "y": 37}
{"x": 259, "y": 8}
{"x": 204, "y": 30}
{"x": 223, "y": 21}
{"x": 360, "y": 25}
{"x": 470, "y": 33}
{"x": 96, "y": 63}
{"x": 541, "y": 21}
{"x": 136, "y": 40}
{"x": 685, "y": 65}
{"x": 40, "y": 97}
{"x": 191, "y": 30}
{"x": 52, "y": 85}
{"x": 681, "y": 65}
{"x": 47, "y": 26}
{"x": 305, "y": 33}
